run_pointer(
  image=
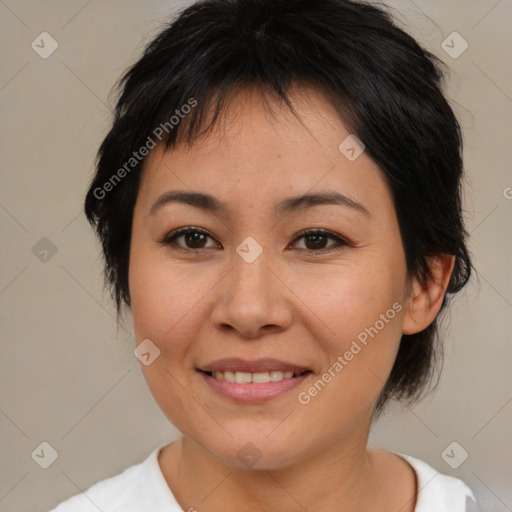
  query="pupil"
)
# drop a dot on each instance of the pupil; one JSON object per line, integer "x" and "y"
{"x": 317, "y": 240}
{"x": 194, "y": 238}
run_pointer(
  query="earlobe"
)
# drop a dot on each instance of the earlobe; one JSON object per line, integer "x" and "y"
{"x": 424, "y": 301}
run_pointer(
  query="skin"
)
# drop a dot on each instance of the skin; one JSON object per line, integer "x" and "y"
{"x": 290, "y": 304}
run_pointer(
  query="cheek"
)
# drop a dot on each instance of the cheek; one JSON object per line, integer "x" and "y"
{"x": 349, "y": 299}
{"x": 164, "y": 295}
{"x": 360, "y": 323}
{"x": 165, "y": 304}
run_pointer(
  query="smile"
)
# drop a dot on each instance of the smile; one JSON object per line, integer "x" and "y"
{"x": 256, "y": 378}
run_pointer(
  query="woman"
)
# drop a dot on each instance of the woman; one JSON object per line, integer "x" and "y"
{"x": 279, "y": 206}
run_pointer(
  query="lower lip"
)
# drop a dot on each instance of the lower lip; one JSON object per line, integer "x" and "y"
{"x": 250, "y": 392}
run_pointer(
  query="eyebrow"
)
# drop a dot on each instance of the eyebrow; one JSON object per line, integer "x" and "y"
{"x": 208, "y": 202}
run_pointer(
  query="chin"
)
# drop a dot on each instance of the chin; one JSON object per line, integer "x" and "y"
{"x": 257, "y": 452}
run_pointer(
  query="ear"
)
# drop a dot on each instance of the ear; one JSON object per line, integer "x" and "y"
{"x": 424, "y": 302}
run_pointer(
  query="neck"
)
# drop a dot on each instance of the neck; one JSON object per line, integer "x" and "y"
{"x": 342, "y": 477}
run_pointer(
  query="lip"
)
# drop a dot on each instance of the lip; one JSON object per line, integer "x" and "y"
{"x": 235, "y": 364}
{"x": 252, "y": 392}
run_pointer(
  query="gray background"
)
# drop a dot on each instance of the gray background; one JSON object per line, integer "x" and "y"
{"x": 68, "y": 374}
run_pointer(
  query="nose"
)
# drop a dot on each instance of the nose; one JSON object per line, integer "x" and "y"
{"x": 253, "y": 298}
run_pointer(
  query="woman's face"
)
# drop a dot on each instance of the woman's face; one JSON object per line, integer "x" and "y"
{"x": 250, "y": 285}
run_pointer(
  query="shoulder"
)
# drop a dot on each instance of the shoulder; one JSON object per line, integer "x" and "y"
{"x": 440, "y": 492}
{"x": 139, "y": 487}
{"x": 106, "y": 495}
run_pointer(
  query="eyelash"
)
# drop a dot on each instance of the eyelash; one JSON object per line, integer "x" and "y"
{"x": 170, "y": 239}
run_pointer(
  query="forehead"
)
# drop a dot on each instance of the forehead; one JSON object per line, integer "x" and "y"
{"x": 258, "y": 149}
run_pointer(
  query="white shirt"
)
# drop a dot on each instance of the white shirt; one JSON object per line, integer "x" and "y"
{"x": 142, "y": 488}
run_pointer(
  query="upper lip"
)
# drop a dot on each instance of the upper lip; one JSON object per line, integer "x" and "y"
{"x": 235, "y": 364}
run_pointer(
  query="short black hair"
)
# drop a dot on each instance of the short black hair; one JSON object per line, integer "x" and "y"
{"x": 386, "y": 88}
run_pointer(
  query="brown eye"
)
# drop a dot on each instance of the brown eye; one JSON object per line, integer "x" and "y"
{"x": 193, "y": 239}
{"x": 316, "y": 241}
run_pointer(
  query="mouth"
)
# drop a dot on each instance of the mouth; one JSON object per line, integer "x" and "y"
{"x": 252, "y": 381}
{"x": 256, "y": 377}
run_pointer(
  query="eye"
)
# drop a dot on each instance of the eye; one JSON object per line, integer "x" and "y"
{"x": 194, "y": 239}
{"x": 315, "y": 241}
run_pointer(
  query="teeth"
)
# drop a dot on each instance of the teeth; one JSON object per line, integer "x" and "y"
{"x": 241, "y": 377}
{"x": 259, "y": 377}
{"x": 229, "y": 376}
